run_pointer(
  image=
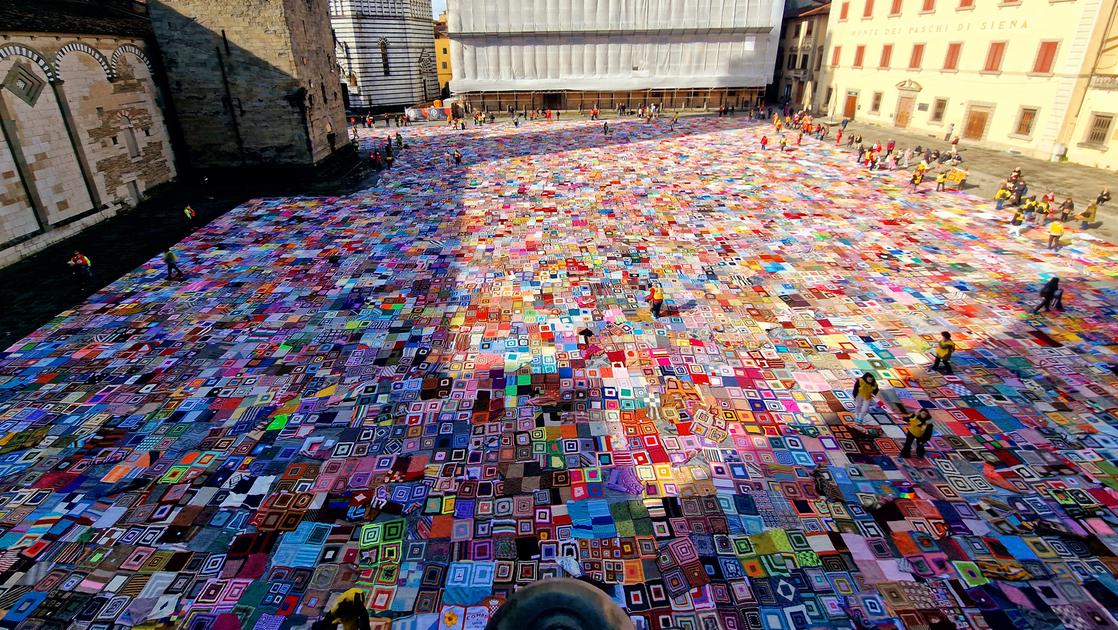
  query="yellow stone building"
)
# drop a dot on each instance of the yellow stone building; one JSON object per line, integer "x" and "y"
{"x": 1030, "y": 76}
{"x": 442, "y": 52}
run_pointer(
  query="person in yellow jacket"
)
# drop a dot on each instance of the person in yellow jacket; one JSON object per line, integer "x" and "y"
{"x": 348, "y": 610}
{"x": 865, "y": 389}
{"x": 919, "y": 430}
{"x": 944, "y": 349}
{"x": 1001, "y": 197}
{"x": 1088, "y": 216}
{"x": 1055, "y": 231}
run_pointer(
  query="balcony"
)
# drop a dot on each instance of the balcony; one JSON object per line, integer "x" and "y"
{"x": 1104, "y": 81}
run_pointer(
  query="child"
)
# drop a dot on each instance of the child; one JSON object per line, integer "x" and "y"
{"x": 944, "y": 350}
{"x": 1001, "y": 196}
{"x": 764, "y": 142}
{"x": 783, "y": 144}
{"x": 1066, "y": 208}
{"x": 655, "y": 300}
{"x": 865, "y": 388}
{"x": 1017, "y": 224}
{"x": 919, "y": 430}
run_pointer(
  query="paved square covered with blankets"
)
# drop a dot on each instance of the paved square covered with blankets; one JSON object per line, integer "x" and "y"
{"x": 451, "y": 386}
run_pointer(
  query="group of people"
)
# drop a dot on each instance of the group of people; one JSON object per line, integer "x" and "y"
{"x": 368, "y": 122}
{"x": 1030, "y": 211}
{"x": 379, "y": 161}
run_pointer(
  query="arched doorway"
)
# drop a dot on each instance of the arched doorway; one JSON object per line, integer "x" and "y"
{"x": 906, "y": 102}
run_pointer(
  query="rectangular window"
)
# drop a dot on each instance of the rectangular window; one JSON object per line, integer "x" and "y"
{"x": 994, "y": 57}
{"x": 791, "y": 61}
{"x": 1099, "y": 130}
{"x": 896, "y": 10}
{"x": 1025, "y": 121}
{"x": 916, "y": 57}
{"x": 844, "y": 11}
{"x": 1045, "y": 57}
{"x": 835, "y": 53}
{"x": 818, "y": 59}
{"x": 796, "y": 31}
{"x": 867, "y": 12}
{"x": 830, "y": 92}
{"x": 886, "y": 56}
{"x": 444, "y": 65}
{"x": 859, "y": 53}
{"x": 804, "y": 59}
{"x": 929, "y": 6}
{"x": 444, "y": 50}
{"x": 807, "y": 32}
{"x": 875, "y": 105}
{"x": 966, "y": 4}
{"x": 938, "y": 108}
{"x": 951, "y": 62}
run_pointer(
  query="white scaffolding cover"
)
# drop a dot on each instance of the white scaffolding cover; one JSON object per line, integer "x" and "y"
{"x": 612, "y": 44}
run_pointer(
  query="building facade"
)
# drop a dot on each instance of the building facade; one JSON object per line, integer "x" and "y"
{"x": 1090, "y": 132}
{"x": 583, "y": 53}
{"x": 255, "y": 83}
{"x": 387, "y": 52}
{"x": 442, "y": 54}
{"x": 1006, "y": 74}
{"x": 799, "y": 59}
{"x": 83, "y": 134}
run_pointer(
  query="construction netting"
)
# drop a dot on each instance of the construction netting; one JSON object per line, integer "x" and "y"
{"x": 612, "y": 44}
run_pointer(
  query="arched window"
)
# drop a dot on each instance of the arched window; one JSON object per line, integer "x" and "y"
{"x": 384, "y": 56}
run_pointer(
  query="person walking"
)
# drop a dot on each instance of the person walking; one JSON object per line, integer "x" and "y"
{"x": 82, "y": 269}
{"x": 1055, "y": 231}
{"x": 941, "y": 181}
{"x": 172, "y": 266}
{"x": 675, "y": 119}
{"x": 457, "y": 157}
{"x": 838, "y": 138}
{"x": 605, "y": 127}
{"x": 919, "y": 430}
{"x": 945, "y": 349}
{"x": 865, "y": 389}
{"x": 764, "y": 142}
{"x": 1048, "y": 294}
{"x": 1017, "y": 224}
{"x": 191, "y": 215}
{"x": 950, "y": 130}
{"x": 655, "y": 299}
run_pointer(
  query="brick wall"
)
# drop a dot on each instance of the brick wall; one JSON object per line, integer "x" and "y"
{"x": 255, "y": 82}
{"x": 102, "y": 111}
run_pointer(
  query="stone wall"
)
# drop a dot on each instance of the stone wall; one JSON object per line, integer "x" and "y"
{"x": 255, "y": 82}
{"x": 101, "y": 91}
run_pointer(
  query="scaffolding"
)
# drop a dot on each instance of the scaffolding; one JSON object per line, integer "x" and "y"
{"x": 611, "y": 45}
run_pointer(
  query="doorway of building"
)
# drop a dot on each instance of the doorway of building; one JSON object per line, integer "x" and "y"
{"x": 851, "y": 106}
{"x": 553, "y": 100}
{"x": 975, "y": 126}
{"x": 905, "y": 104}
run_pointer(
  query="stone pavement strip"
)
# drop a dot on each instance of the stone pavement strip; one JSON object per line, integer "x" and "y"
{"x": 988, "y": 168}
